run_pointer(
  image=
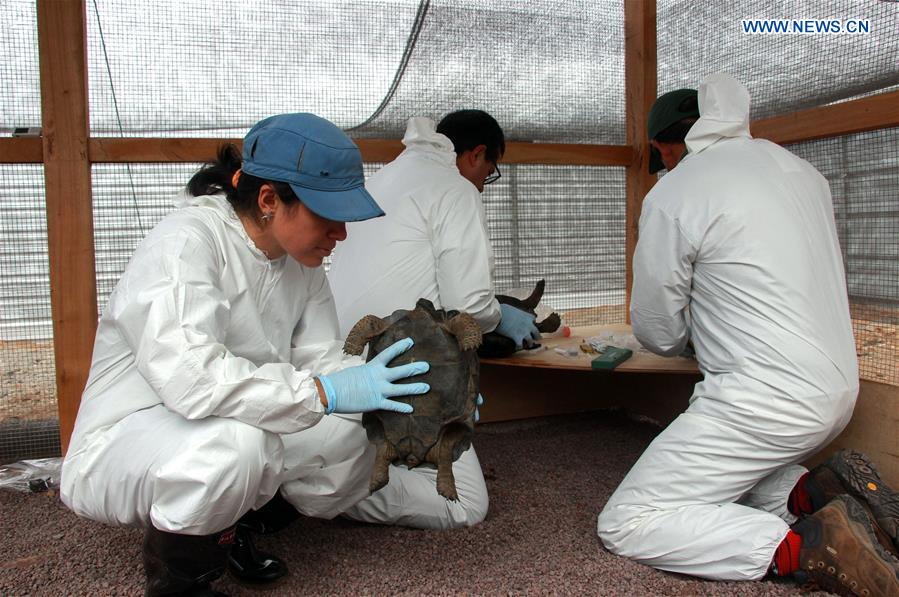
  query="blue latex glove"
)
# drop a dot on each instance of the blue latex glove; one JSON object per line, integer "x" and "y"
{"x": 367, "y": 387}
{"x": 477, "y": 415}
{"x": 517, "y": 325}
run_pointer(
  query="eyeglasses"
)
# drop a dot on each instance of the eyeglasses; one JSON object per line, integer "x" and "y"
{"x": 495, "y": 176}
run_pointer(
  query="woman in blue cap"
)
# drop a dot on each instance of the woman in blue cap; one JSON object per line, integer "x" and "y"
{"x": 219, "y": 338}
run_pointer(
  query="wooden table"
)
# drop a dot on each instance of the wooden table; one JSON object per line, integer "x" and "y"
{"x": 642, "y": 361}
{"x": 543, "y": 382}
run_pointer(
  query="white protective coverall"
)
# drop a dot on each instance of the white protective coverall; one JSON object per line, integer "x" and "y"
{"x": 742, "y": 232}
{"x": 204, "y": 358}
{"x": 432, "y": 243}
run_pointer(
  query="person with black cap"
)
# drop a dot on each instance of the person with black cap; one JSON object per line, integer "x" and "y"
{"x": 669, "y": 121}
{"x": 738, "y": 253}
{"x": 220, "y": 337}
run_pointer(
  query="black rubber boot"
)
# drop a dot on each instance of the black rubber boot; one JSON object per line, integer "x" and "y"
{"x": 184, "y": 564}
{"x": 270, "y": 518}
{"x": 251, "y": 566}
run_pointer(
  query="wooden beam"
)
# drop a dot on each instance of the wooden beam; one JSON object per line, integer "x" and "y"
{"x": 880, "y": 111}
{"x": 640, "y": 93}
{"x": 64, "y": 122}
{"x": 133, "y": 150}
{"x": 379, "y": 150}
{"x": 855, "y": 116}
{"x": 568, "y": 154}
{"x": 147, "y": 150}
{"x": 21, "y": 151}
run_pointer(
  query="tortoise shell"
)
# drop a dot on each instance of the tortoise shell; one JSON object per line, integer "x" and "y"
{"x": 439, "y": 429}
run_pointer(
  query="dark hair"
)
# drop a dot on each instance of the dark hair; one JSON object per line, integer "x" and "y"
{"x": 677, "y": 132}
{"x": 469, "y": 128}
{"x": 215, "y": 177}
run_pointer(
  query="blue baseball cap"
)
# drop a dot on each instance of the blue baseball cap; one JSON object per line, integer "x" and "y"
{"x": 320, "y": 163}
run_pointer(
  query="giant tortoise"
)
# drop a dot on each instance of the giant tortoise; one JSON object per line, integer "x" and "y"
{"x": 439, "y": 430}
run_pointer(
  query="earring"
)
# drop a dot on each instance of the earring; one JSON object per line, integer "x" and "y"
{"x": 267, "y": 216}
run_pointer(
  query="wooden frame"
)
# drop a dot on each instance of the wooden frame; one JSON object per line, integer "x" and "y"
{"x": 640, "y": 92}
{"x": 855, "y": 116}
{"x": 133, "y": 150}
{"x": 67, "y": 152}
{"x": 67, "y": 171}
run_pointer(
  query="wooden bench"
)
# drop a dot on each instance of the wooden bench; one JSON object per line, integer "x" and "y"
{"x": 534, "y": 383}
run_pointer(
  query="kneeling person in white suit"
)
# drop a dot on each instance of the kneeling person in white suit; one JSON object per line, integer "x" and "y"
{"x": 742, "y": 232}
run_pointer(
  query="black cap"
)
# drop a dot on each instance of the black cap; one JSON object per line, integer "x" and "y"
{"x": 668, "y": 109}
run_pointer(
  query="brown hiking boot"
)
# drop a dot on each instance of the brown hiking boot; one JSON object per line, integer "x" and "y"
{"x": 851, "y": 472}
{"x": 840, "y": 553}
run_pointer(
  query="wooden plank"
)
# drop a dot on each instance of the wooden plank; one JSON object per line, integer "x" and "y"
{"x": 21, "y": 151}
{"x": 149, "y": 150}
{"x": 568, "y": 154}
{"x": 546, "y": 357}
{"x": 379, "y": 150}
{"x": 856, "y": 116}
{"x": 64, "y": 121}
{"x": 134, "y": 149}
{"x": 192, "y": 149}
{"x": 880, "y": 111}
{"x": 640, "y": 93}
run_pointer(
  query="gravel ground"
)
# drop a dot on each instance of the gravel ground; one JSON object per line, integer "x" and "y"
{"x": 548, "y": 478}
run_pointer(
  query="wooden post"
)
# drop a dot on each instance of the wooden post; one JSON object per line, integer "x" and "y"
{"x": 640, "y": 93}
{"x": 67, "y": 171}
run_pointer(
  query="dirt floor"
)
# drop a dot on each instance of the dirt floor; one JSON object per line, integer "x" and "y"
{"x": 539, "y": 537}
{"x": 28, "y": 384}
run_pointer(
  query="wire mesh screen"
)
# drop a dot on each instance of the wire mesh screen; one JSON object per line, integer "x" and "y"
{"x": 546, "y": 69}
{"x": 784, "y": 72}
{"x": 20, "y": 91}
{"x": 129, "y": 199}
{"x": 28, "y": 414}
{"x": 863, "y": 170}
{"x": 564, "y": 224}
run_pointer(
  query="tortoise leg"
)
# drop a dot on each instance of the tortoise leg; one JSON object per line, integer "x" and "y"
{"x": 550, "y": 324}
{"x": 446, "y": 482}
{"x": 365, "y": 329}
{"x": 533, "y": 300}
{"x": 466, "y": 330}
{"x": 380, "y": 475}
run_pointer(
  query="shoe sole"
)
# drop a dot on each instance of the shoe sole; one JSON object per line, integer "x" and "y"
{"x": 860, "y": 476}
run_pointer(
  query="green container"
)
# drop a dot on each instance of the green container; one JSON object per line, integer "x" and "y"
{"x": 611, "y": 357}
